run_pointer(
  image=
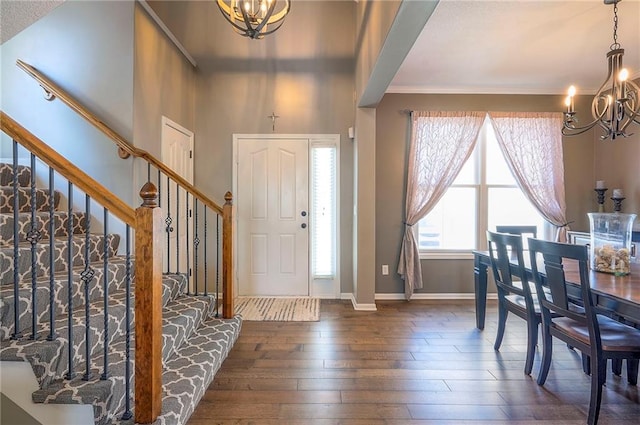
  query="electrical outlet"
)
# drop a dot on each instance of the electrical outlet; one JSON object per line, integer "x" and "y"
{"x": 385, "y": 269}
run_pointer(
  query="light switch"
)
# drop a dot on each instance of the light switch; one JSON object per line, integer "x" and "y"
{"x": 385, "y": 269}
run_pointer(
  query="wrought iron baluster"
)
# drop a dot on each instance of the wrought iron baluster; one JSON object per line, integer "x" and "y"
{"x": 217, "y": 261}
{"x": 196, "y": 242}
{"x": 105, "y": 276}
{"x": 33, "y": 237}
{"x": 86, "y": 277}
{"x": 16, "y": 249}
{"x": 148, "y": 171}
{"x": 168, "y": 222}
{"x": 206, "y": 259}
{"x": 127, "y": 368}
{"x": 70, "y": 373}
{"x": 187, "y": 239}
{"x": 52, "y": 331}
{"x": 177, "y": 228}
{"x": 159, "y": 189}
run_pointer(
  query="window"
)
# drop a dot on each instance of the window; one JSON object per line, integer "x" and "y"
{"x": 483, "y": 195}
{"x": 323, "y": 210}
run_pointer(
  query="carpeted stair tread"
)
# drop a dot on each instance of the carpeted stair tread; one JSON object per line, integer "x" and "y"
{"x": 43, "y": 199}
{"x": 6, "y": 175}
{"x": 117, "y": 272}
{"x": 41, "y": 223}
{"x": 188, "y": 312}
{"x": 190, "y": 370}
{"x": 96, "y": 249}
{"x": 43, "y": 356}
{"x": 180, "y": 319}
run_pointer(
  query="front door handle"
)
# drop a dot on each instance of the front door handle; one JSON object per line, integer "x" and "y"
{"x": 303, "y": 225}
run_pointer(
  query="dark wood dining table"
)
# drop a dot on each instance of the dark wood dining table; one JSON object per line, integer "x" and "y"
{"x": 619, "y": 295}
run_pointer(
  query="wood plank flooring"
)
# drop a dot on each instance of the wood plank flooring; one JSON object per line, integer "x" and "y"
{"x": 421, "y": 362}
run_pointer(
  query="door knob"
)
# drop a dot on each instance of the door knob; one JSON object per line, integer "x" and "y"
{"x": 303, "y": 225}
{"x": 303, "y": 213}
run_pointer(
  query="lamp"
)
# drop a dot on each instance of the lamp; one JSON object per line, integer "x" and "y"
{"x": 616, "y": 104}
{"x": 254, "y": 18}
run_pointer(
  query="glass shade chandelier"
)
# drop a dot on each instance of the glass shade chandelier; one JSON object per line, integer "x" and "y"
{"x": 254, "y": 18}
{"x": 616, "y": 104}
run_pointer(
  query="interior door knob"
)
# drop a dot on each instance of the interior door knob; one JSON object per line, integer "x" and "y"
{"x": 303, "y": 225}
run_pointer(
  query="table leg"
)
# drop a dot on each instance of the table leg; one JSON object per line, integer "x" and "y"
{"x": 480, "y": 280}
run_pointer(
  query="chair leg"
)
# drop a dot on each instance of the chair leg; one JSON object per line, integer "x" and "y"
{"x": 598, "y": 373}
{"x": 502, "y": 320}
{"x": 532, "y": 340}
{"x": 586, "y": 364}
{"x": 616, "y": 366}
{"x": 547, "y": 351}
{"x": 632, "y": 371}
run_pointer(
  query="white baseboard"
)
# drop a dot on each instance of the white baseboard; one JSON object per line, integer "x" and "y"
{"x": 356, "y": 306}
{"x": 433, "y": 296}
{"x": 417, "y": 296}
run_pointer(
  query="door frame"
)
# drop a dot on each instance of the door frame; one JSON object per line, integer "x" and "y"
{"x": 318, "y": 288}
{"x": 166, "y": 122}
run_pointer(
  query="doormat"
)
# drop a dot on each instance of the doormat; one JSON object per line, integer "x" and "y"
{"x": 278, "y": 309}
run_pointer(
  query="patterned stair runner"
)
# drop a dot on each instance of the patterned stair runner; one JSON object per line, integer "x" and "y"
{"x": 194, "y": 342}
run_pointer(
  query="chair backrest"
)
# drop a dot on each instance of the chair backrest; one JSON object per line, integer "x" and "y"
{"x": 507, "y": 262}
{"x": 518, "y": 230}
{"x": 548, "y": 261}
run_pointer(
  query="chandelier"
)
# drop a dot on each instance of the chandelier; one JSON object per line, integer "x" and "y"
{"x": 254, "y": 18}
{"x": 616, "y": 104}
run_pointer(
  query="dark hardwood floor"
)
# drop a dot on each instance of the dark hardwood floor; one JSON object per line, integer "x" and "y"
{"x": 421, "y": 362}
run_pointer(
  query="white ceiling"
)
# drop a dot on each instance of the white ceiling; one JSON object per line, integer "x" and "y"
{"x": 518, "y": 46}
{"x": 17, "y": 15}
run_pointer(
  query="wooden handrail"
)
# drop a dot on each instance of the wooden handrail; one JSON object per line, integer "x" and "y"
{"x": 53, "y": 89}
{"x": 72, "y": 173}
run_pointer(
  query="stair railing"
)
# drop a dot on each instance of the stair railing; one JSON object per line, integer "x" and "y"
{"x": 198, "y": 211}
{"x": 190, "y": 219}
{"x": 84, "y": 283}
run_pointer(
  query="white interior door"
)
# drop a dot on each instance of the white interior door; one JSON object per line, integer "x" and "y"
{"x": 177, "y": 153}
{"x": 272, "y": 211}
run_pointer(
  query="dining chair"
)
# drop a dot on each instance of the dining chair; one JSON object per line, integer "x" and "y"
{"x": 507, "y": 264}
{"x": 598, "y": 336}
{"x": 518, "y": 230}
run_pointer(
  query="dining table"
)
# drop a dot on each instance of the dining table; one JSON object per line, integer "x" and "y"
{"x": 618, "y": 295}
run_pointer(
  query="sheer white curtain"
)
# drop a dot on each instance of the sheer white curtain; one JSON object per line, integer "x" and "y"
{"x": 441, "y": 142}
{"x": 532, "y": 146}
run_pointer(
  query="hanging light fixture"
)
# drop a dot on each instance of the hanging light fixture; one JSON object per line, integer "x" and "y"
{"x": 254, "y": 18}
{"x": 616, "y": 104}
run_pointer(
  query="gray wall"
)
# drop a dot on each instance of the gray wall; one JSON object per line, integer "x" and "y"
{"x": 164, "y": 85}
{"x": 392, "y": 141}
{"x": 87, "y": 49}
{"x": 618, "y": 164}
{"x": 311, "y": 91}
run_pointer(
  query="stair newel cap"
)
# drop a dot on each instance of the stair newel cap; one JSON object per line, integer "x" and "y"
{"x": 228, "y": 197}
{"x": 149, "y": 195}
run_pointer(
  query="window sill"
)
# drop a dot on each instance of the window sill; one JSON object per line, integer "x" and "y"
{"x": 446, "y": 255}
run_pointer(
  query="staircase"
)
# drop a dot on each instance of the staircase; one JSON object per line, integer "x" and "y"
{"x": 76, "y": 328}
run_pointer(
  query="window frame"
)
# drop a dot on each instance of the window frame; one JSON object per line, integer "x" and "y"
{"x": 482, "y": 188}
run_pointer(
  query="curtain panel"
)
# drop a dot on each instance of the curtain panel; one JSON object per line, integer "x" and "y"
{"x": 441, "y": 142}
{"x": 532, "y": 145}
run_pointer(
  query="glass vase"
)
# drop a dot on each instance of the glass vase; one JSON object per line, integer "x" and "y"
{"x": 610, "y": 250}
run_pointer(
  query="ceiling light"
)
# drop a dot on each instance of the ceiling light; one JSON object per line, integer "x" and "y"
{"x": 616, "y": 104}
{"x": 254, "y": 18}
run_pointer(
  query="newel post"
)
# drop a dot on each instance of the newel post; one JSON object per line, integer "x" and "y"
{"x": 148, "y": 295}
{"x": 227, "y": 257}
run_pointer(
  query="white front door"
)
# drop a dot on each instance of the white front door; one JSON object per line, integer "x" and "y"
{"x": 272, "y": 208}
{"x": 177, "y": 154}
